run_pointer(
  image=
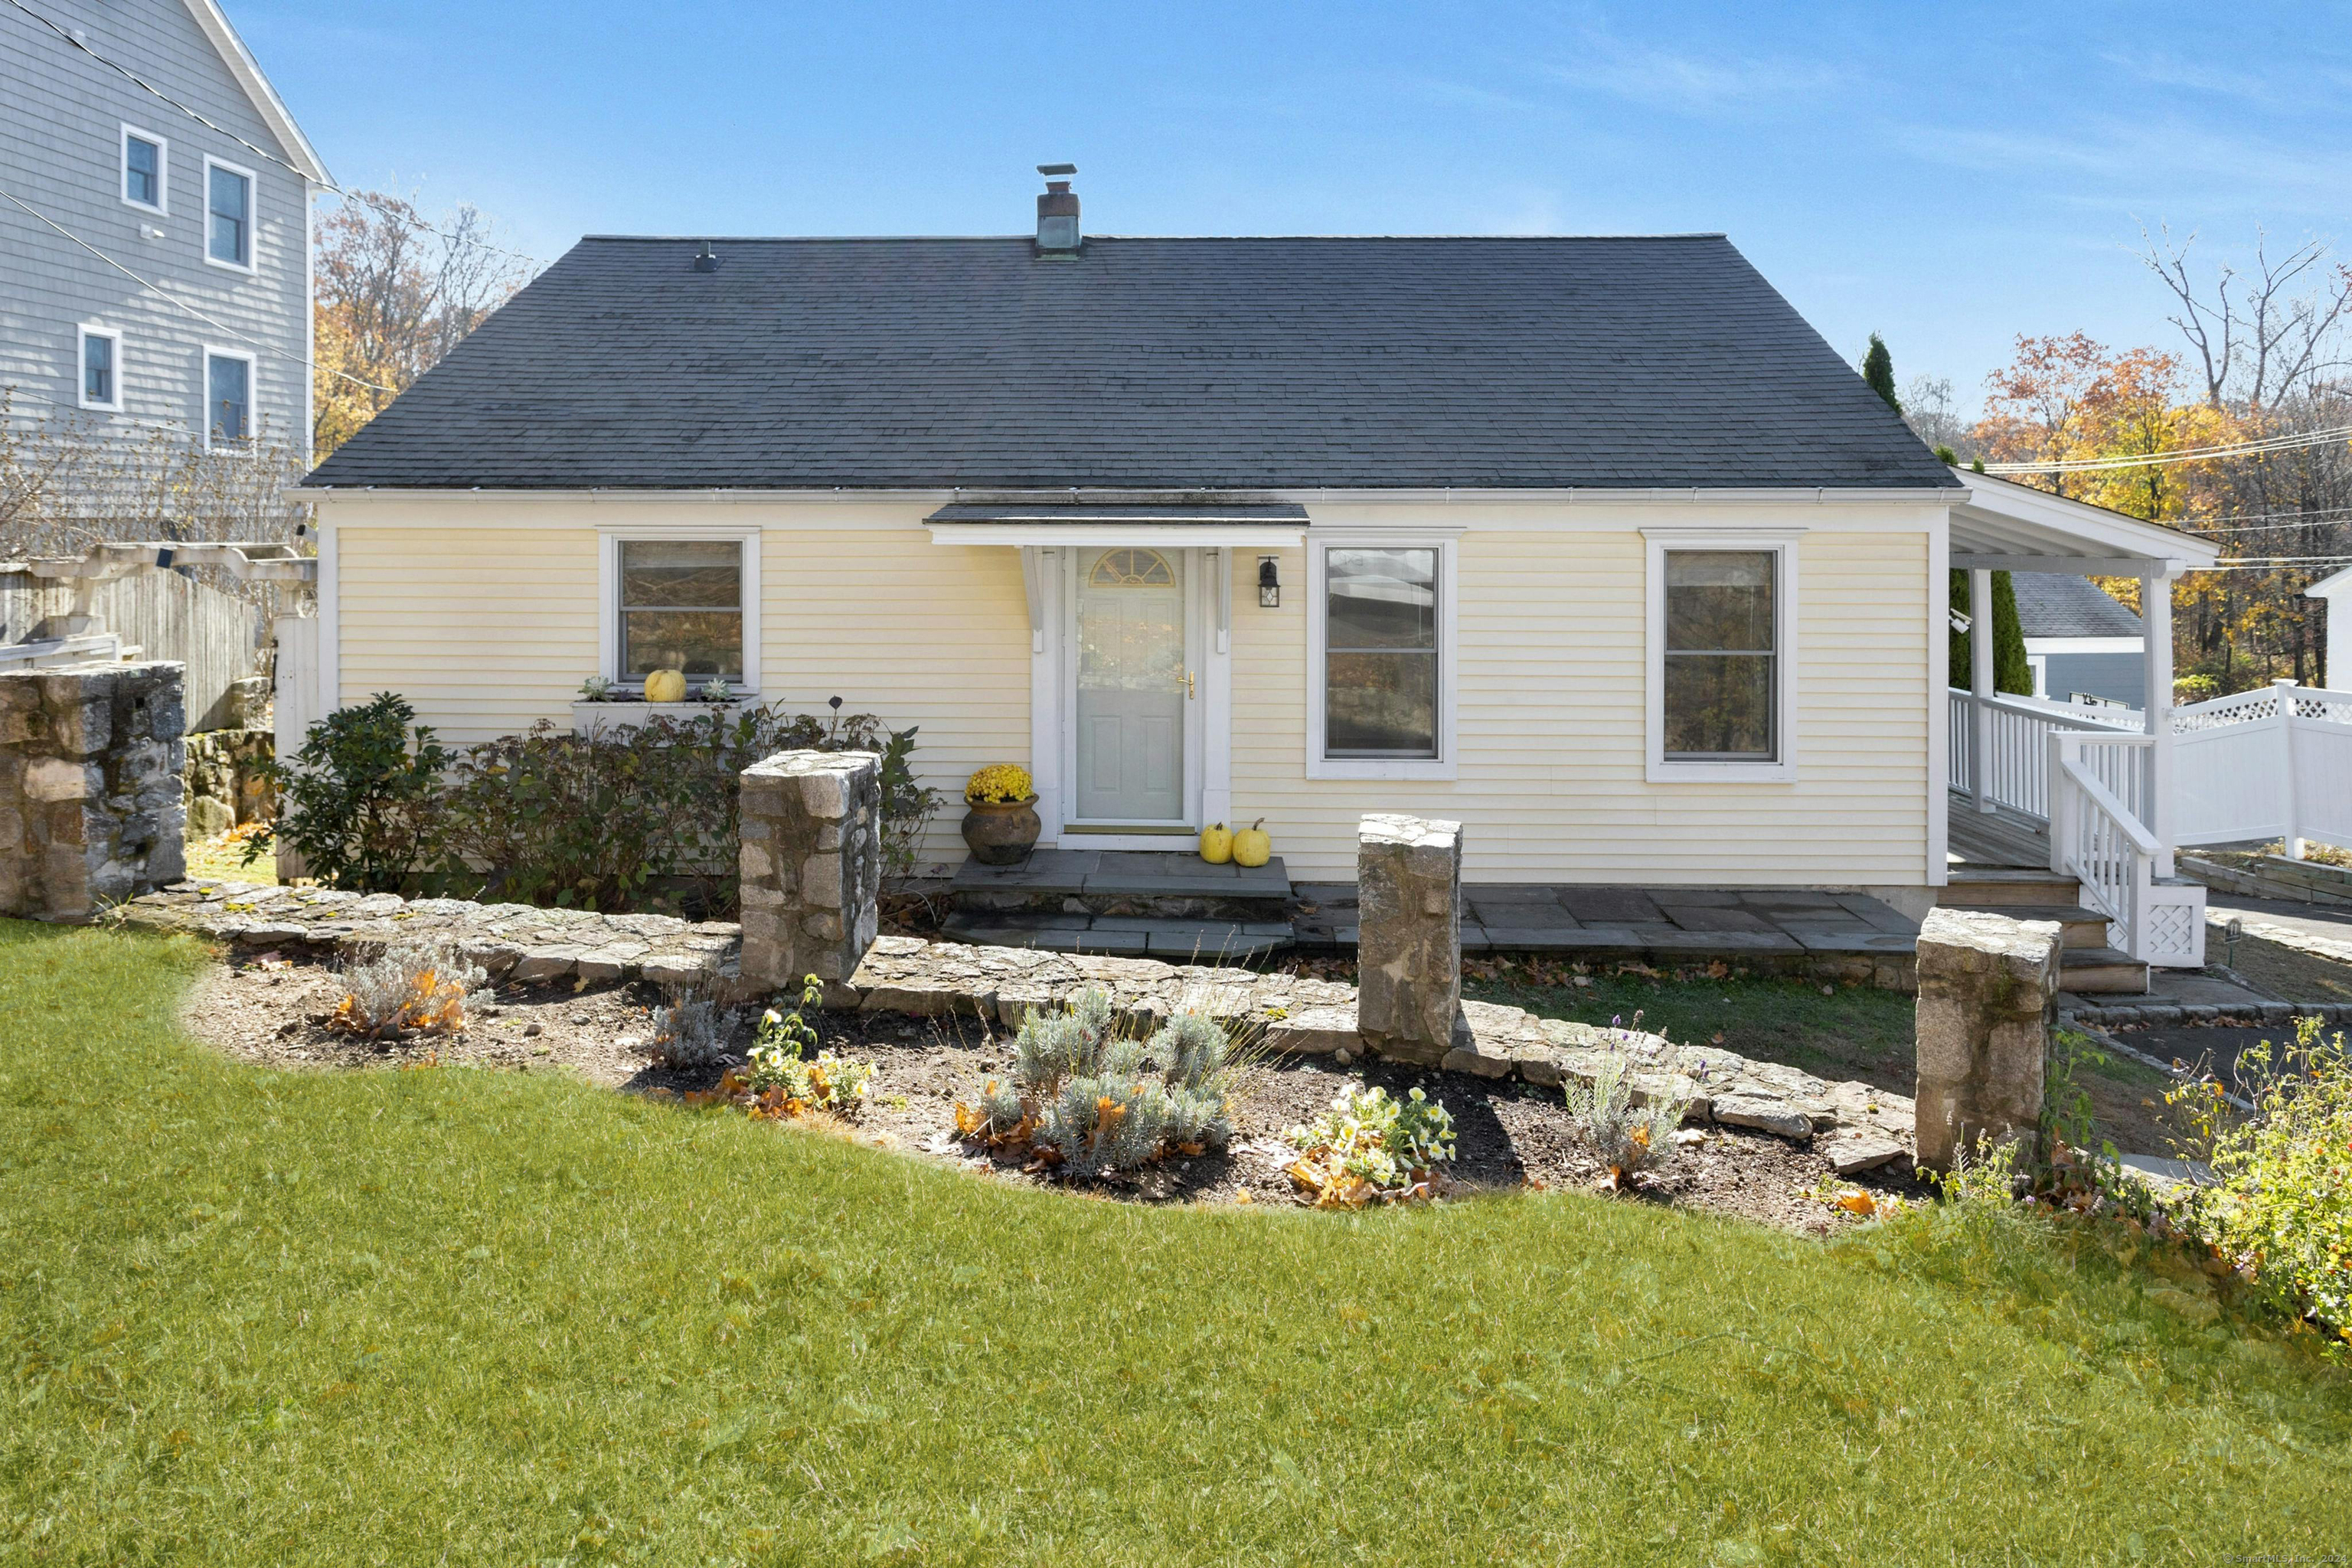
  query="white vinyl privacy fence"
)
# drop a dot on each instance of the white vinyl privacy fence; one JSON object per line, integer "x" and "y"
{"x": 2275, "y": 763}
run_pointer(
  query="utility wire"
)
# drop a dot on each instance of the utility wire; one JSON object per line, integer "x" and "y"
{"x": 2159, "y": 460}
{"x": 178, "y": 304}
{"x": 362, "y": 198}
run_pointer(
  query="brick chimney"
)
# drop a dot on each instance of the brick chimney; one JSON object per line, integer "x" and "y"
{"x": 1058, "y": 212}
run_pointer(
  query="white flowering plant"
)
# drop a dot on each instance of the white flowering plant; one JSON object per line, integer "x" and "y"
{"x": 1371, "y": 1147}
{"x": 784, "y": 1080}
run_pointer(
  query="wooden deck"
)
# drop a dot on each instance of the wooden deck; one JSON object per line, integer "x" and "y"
{"x": 1999, "y": 837}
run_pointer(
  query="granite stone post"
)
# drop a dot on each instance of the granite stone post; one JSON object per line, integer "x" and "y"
{"x": 1409, "y": 941}
{"x": 811, "y": 866}
{"x": 1988, "y": 996}
{"x": 90, "y": 800}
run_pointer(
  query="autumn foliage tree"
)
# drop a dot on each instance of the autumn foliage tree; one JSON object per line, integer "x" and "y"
{"x": 395, "y": 294}
{"x": 2260, "y": 363}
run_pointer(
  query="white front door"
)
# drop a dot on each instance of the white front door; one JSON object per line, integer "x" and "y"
{"x": 1134, "y": 687}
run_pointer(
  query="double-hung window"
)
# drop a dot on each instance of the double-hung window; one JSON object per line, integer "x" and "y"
{"x": 146, "y": 169}
{"x": 1720, "y": 677}
{"x": 228, "y": 397}
{"x": 1381, "y": 682}
{"x": 681, "y": 604}
{"x": 228, "y": 216}
{"x": 101, "y": 368}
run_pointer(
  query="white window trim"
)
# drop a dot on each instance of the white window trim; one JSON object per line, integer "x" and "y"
{"x": 208, "y": 354}
{"x": 82, "y": 334}
{"x": 1782, "y": 542}
{"x": 252, "y": 262}
{"x": 609, "y": 540}
{"x": 162, "y": 205}
{"x": 1442, "y": 766}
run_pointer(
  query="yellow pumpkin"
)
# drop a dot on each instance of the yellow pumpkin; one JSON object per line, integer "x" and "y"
{"x": 1216, "y": 843}
{"x": 666, "y": 686}
{"x": 1252, "y": 847}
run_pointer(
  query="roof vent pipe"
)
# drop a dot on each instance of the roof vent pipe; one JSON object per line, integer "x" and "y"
{"x": 706, "y": 259}
{"x": 1058, "y": 212}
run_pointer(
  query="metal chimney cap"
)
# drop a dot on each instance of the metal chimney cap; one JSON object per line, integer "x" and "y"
{"x": 1055, "y": 170}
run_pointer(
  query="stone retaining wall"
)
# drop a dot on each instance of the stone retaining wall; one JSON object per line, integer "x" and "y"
{"x": 91, "y": 813}
{"x": 228, "y": 781}
{"x": 995, "y": 987}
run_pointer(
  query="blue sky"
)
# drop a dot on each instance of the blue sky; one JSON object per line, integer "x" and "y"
{"x": 1950, "y": 175}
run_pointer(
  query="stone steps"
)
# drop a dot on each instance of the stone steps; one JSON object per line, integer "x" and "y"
{"x": 1173, "y": 939}
{"x": 2083, "y": 928}
{"x": 2100, "y": 970}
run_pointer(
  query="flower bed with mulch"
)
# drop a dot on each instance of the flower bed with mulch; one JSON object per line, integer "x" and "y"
{"x": 277, "y": 1007}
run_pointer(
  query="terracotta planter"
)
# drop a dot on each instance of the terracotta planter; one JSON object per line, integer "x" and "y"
{"x": 1003, "y": 835}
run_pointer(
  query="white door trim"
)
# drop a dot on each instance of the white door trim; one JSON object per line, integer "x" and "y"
{"x": 1053, "y": 690}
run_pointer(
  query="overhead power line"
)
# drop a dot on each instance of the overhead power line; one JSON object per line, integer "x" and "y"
{"x": 178, "y": 304}
{"x": 2184, "y": 454}
{"x": 362, "y": 197}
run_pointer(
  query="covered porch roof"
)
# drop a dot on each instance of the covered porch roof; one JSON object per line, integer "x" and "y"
{"x": 2002, "y": 526}
{"x": 1181, "y": 522}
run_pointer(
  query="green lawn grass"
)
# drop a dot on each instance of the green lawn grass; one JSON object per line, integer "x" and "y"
{"x": 463, "y": 1317}
{"x": 1852, "y": 1032}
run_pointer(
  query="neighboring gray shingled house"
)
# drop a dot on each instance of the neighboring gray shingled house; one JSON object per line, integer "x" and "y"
{"x": 2080, "y": 639}
{"x": 113, "y": 188}
{"x": 1591, "y": 544}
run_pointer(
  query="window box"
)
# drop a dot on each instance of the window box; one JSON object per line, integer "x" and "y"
{"x": 611, "y": 715}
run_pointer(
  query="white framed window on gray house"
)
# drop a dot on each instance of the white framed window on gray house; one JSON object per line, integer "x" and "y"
{"x": 682, "y": 601}
{"x": 146, "y": 170}
{"x": 1380, "y": 687}
{"x": 228, "y": 216}
{"x": 1722, "y": 606}
{"x": 100, "y": 356}
{"x": 228, "y": 396}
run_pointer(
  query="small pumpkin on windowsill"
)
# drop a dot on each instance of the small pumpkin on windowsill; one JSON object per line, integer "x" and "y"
{"x": 1001, "y": 827}
{"x": 666, "y": 686}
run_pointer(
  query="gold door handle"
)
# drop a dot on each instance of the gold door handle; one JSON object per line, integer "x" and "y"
{"x": 1185, "y": 684}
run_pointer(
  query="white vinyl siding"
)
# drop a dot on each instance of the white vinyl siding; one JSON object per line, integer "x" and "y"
{"x": 487, "y": 629}
{"x": 487, "y": 614}
{"x": 1552, "y": 782}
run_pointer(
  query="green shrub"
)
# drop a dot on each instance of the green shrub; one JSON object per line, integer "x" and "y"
{"x": 614, "y": 819}
{"x": 2280, "y": 1206}
{"x": 358, "y": 801}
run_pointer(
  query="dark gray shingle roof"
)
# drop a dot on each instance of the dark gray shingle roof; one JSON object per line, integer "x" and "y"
{"x": 1144, "y": 363}
{"x": 2053, "y": 604}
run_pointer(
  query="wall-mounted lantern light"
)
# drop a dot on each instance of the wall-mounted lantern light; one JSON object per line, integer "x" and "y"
{"x": 1269, "y": 586}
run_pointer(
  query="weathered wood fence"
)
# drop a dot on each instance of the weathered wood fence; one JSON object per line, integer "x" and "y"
{"x": 219, "y": 636}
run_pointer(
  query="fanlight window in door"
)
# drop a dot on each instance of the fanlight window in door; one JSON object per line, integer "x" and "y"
{"x": 1131, "y": 569}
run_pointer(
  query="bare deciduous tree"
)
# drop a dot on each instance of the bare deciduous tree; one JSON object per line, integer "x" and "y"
{"x": 69, "y": 480}
{"x": 2259, "y": 338}
{"x": 394, "y": 294}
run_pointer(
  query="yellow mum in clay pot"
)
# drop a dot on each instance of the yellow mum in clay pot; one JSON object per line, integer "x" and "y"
{"x": 1002, "y": 828}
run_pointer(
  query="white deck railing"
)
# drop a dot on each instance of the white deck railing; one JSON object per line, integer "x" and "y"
{"x": 2100, "y": 835}
{"x": 1998, "y": 749}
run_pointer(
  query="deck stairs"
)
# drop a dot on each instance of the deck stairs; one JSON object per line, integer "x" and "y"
{"x": 2085, "y": 963}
